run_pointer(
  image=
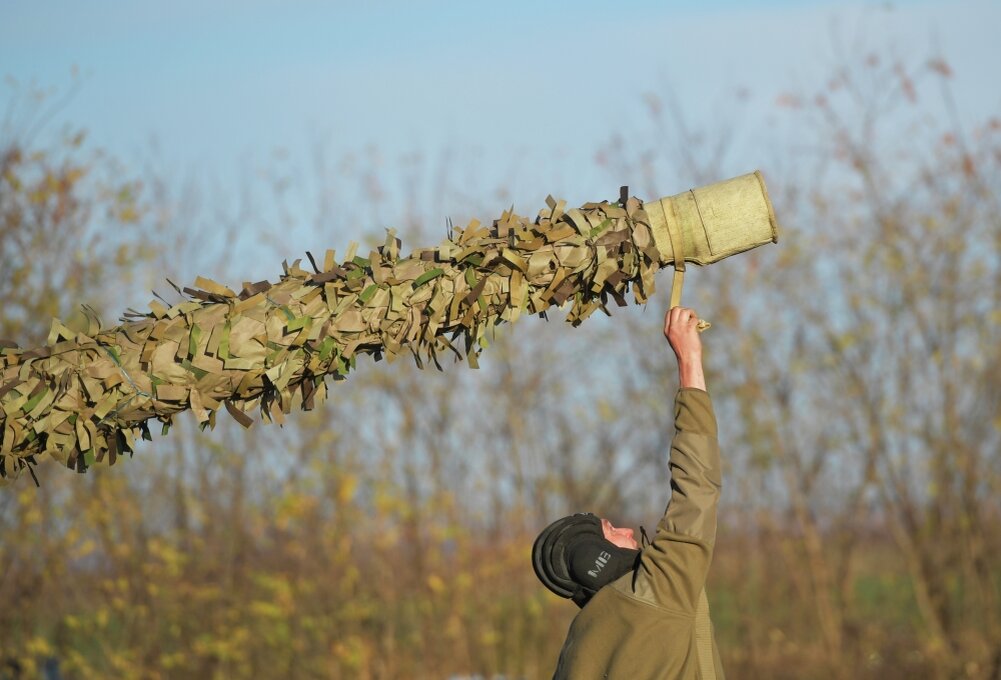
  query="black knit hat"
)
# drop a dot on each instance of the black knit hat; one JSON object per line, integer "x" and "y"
{"x": 573, "y": 558}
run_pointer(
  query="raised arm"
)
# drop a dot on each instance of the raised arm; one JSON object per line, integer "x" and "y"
{"x": 673, "y": 568}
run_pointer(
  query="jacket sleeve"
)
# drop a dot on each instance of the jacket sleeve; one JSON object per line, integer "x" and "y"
{"x": 673, "y": 568}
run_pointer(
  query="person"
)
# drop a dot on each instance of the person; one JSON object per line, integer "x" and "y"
{"x": 644, "y": 612}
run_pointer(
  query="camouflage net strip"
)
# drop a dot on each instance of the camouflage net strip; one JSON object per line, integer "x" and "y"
{"x": 89, "y": 393}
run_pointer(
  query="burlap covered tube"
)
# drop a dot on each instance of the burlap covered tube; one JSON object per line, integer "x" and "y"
{"x": 89, "y": 393}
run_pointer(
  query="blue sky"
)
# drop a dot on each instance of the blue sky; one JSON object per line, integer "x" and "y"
{"x": 218, "y": 78}
{"x": 220, "y": 85}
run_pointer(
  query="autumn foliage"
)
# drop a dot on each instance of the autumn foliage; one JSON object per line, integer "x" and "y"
{"x": 856, "y": 370}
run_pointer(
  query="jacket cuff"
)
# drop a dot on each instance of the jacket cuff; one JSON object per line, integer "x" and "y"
{"x": 693, "y": 412}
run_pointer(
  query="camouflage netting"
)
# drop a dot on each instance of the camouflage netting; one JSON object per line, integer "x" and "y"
{"x": 89, "y": 393}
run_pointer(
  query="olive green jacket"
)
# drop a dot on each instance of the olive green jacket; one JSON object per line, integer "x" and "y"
{"x": 653, "y": 622}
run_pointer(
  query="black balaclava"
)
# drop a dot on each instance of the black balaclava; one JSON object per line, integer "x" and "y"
{"x": 573, "y": 558}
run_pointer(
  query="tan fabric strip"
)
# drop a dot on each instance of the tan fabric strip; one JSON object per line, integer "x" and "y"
{"x": 667, "y": 231}
{"x": 702, "y": 323}
{"x": 676, "y": 237}
{"x": 658, "y": 225}
{"x": 676, "y": 285}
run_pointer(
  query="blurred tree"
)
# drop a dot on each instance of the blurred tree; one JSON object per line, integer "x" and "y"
{"x": 865, "y": 376}
{"x": 62, "y": 232}
{"x": 855, "y": 368}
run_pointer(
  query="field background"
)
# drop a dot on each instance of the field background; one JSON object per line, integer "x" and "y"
{"x": 855, "y": 366}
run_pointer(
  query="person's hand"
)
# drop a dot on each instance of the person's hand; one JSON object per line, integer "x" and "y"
{"x": 681, "y": 331}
